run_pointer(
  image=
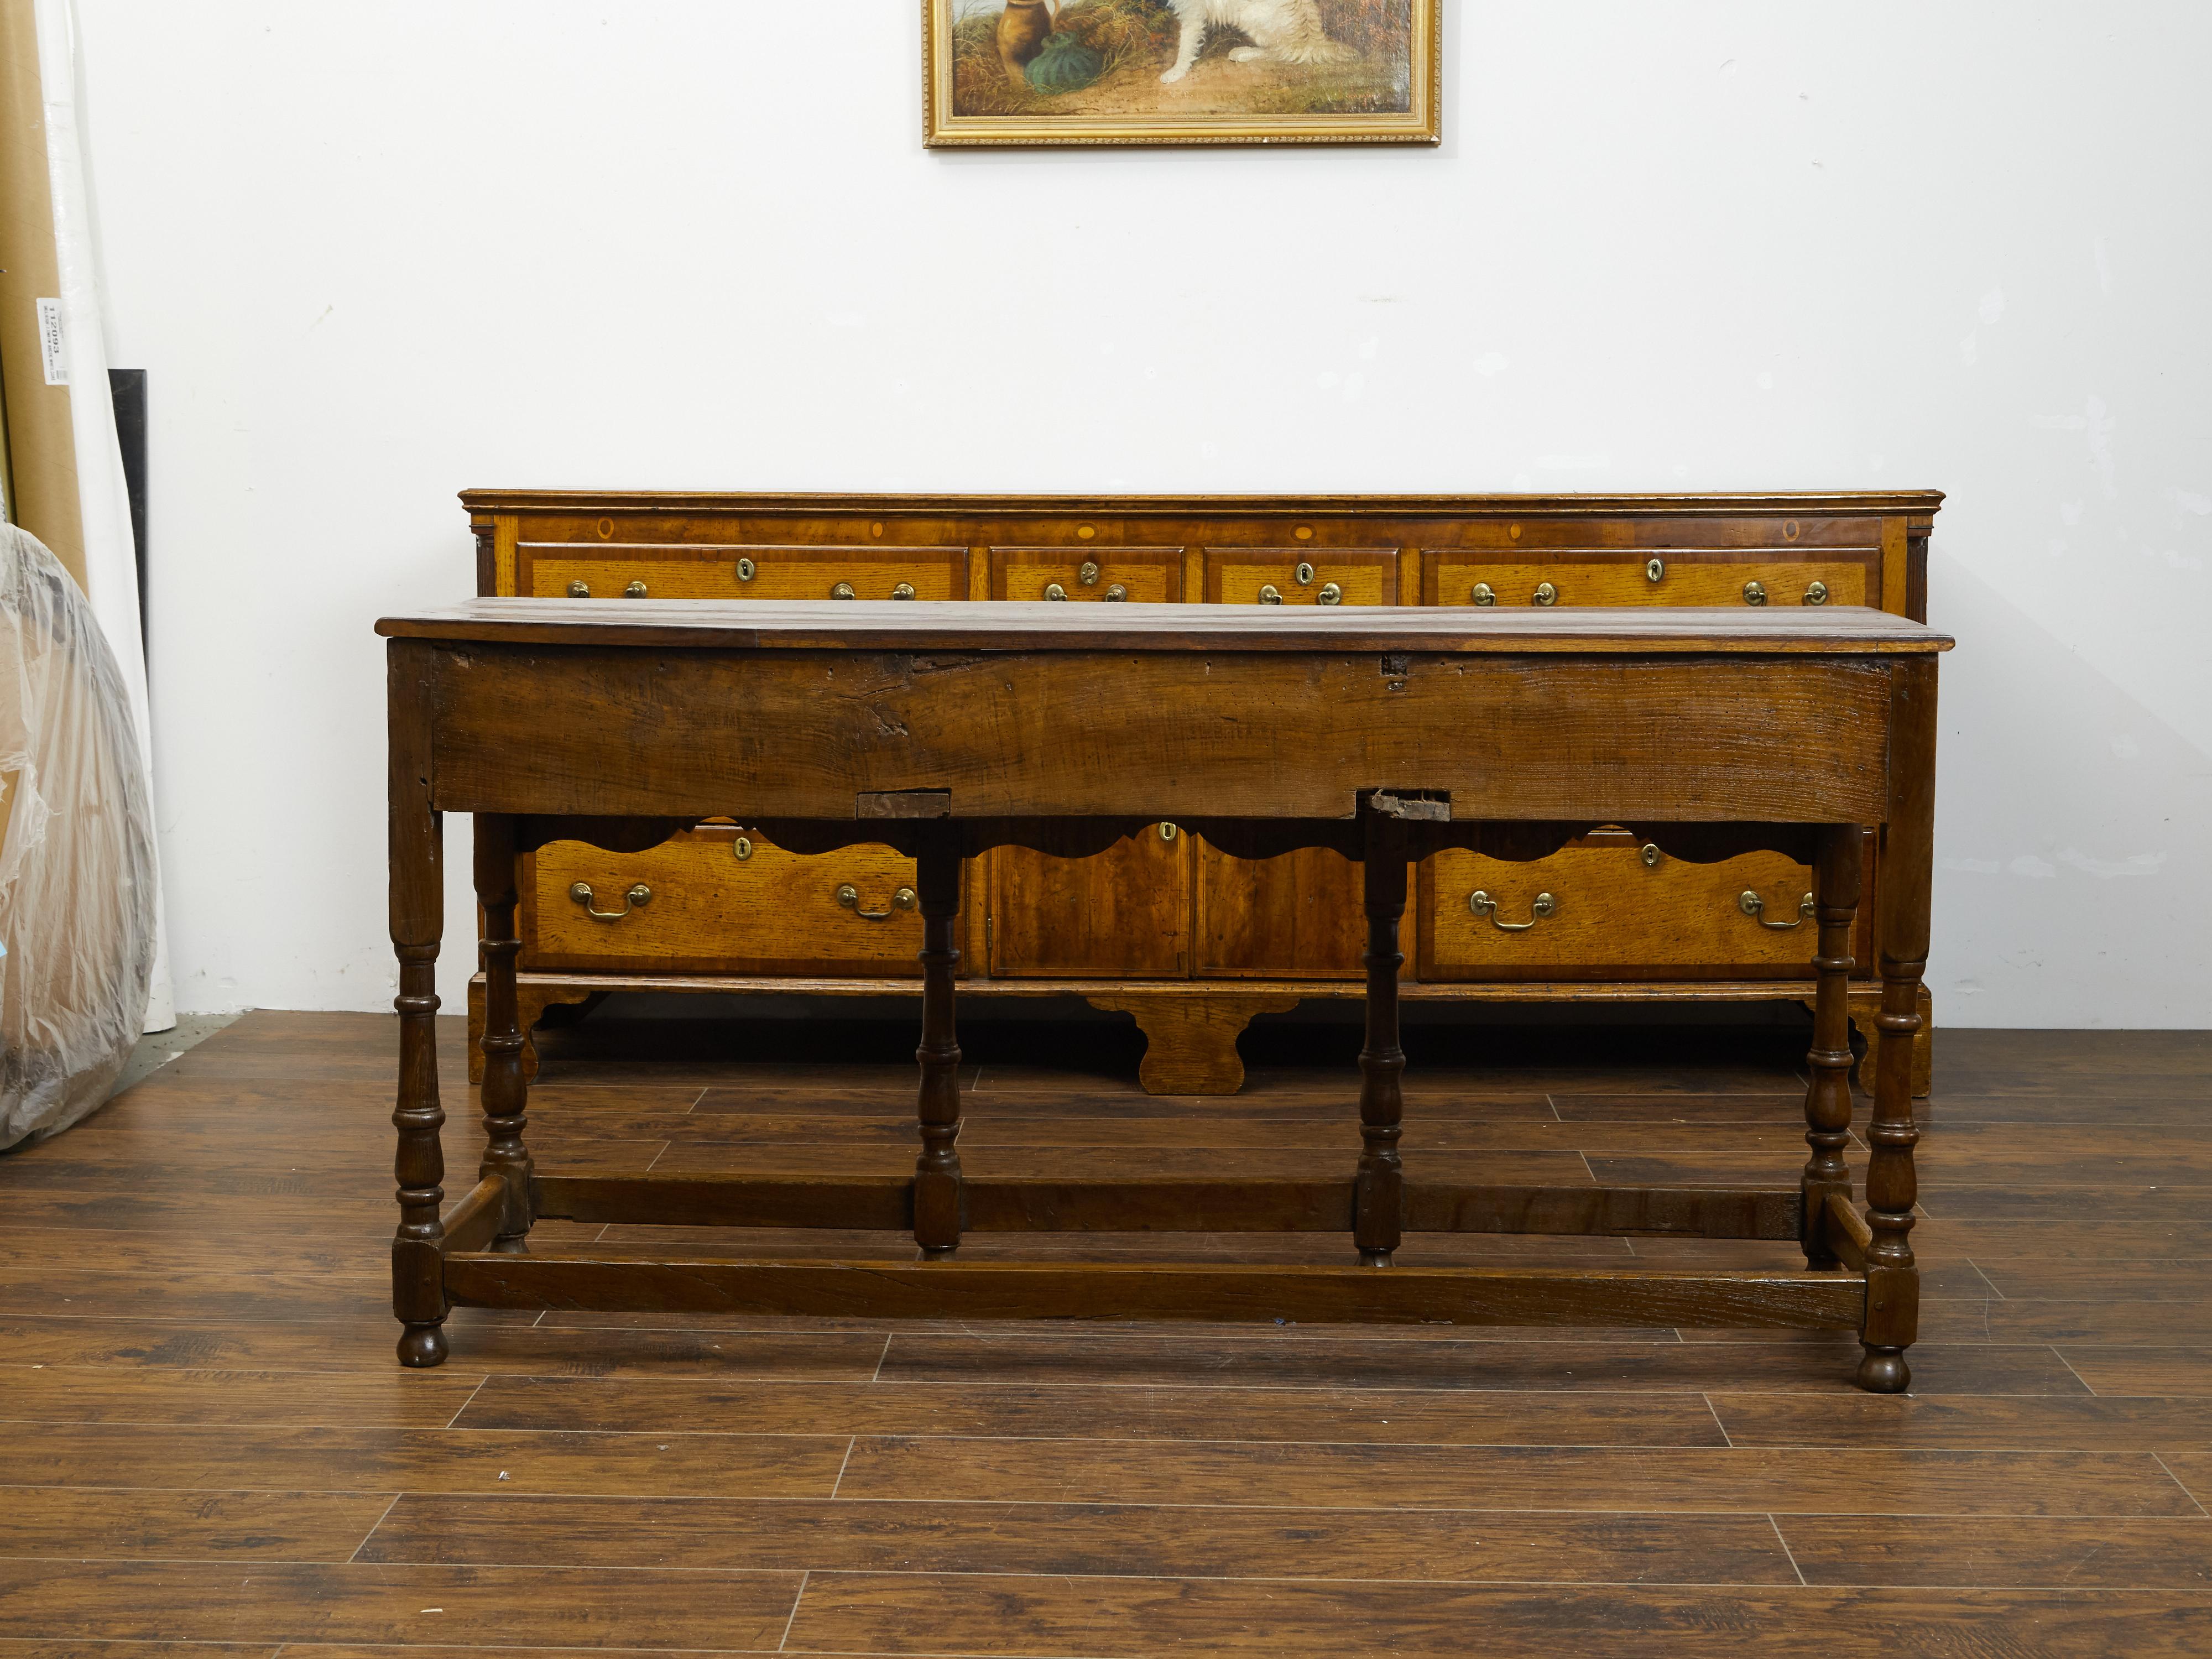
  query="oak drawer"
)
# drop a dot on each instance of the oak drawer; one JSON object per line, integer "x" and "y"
{"x": 737, "y": 570}
{"x": 1713, "y": 576}
{"x": 1608, "y": 906}
{"x": 1121, "y": 914}
{"x": 1302, "y": 576}
{"x": 721, "y": 900}
{"x": 1143, "y": 575}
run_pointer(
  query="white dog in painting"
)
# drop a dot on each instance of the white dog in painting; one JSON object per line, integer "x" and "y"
{"x": 1287, "y": 31}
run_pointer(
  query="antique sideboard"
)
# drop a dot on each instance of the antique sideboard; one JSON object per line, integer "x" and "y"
{"x": 1190, "y": 940}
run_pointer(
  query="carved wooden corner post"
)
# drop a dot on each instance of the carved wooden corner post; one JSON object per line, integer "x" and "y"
{"x": 1379, "y": 1198}
{"x": 1906, "y": 875}
{"x": 506, "y": 1088}
{"x": 419, "y": 1288}
{"x": 1829, "y": 1097}
{"x": 938, "y": 1207}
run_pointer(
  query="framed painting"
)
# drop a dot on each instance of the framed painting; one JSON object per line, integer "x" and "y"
{"x": 1181, "y": 71}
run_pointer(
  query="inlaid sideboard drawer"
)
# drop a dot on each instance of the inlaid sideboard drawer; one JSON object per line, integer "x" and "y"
{"x": 1302, "y": 576}
{"x": 1709, "y": 576}
{"x": 1143, "y": 575}
{"x": 721, "y": 900}
{"x": 641, "y": 570}
{"x": 1607, "y": 906}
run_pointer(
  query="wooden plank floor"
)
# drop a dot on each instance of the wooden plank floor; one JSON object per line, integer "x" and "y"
{"x": 208, "y": 1448}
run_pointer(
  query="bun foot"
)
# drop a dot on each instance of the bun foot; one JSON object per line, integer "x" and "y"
{"x": 422, "y": 1346}
{"x": 1884, "y": 1370}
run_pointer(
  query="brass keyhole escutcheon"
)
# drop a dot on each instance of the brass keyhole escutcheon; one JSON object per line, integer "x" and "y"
{"x": 1089, "y": 574}
{"x": 743, "y": 846}
{"x": 1817, "y": 594}
{"x": 849, "y": 896}
{"x": 1169, "y": 832}
{"x": 1545, "y": 594}
{"x": 1755, "y": 907}
{"x": 581, "y": 893}
{"x": 1305, "y": 572}
{"x": 580, "y": 590}
{"x": 1484, "y": 594}
{"x": 903, "y": 591}
{"x": 1116, "y": 593}
{"x": 843, "y": 590}
{"x": 1651, "y": 854}
{"x": 1755, "y": 594}
{"x": 1330, "y": 594}
{"x": 1539, "y": 907}
{"x": 1270, "y": 594}
{"x": 747, "y": 570}
{"x": 634, "y": 590}
{"x": 1654, "y": 569}
{"x": 1054, "y": 591}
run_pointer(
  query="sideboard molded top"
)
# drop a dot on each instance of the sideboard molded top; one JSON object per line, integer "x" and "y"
{"x": 1028, "y": 625}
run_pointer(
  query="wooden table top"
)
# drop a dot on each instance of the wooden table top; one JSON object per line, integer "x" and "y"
{"x": 1026, "y": 625}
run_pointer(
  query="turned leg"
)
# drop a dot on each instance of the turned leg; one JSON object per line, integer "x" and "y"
{"x": 418, "y": 1265}
{"x": 506, "y": 1091}
{"x": 938, "y": 1204}
{"x": 1828, "y": 1098}
{"x": 1903, "y": 882}
{"x": 1379, "y": 1200}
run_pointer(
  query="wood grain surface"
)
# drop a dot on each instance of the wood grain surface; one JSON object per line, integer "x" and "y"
{"x": 209, "y": 1451}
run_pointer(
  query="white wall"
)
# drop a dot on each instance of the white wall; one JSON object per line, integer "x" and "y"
{"x": 373, "y": 254}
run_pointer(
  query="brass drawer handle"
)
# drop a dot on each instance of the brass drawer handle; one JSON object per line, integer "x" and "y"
{"x": 1545, "y": 594}
{"x": 581, "y": 892}
{"x": 1817, "y": 594}
{"x": 849, "y": 896}
{"x": 1116, "y": 593}
{"x": 1088, "y": 575}
{"x": 843, "y": 590}
{"x": 1054, "y": 591}
{"x": 747, "y": 570}
{"x": 634, "y": 590}
{"x": 1483, "y": 905}
{"x": 1654, "y": 570}
{"x": 1270, "y": 594}
{"x": 580, "y": 590}
{"x": 1484, "y": 594}
{"x": 1755, "y": 594}
{"x": 1330, "y": 594}
{"x": 1755, "y": 907}
{"x": 903, "y": 591}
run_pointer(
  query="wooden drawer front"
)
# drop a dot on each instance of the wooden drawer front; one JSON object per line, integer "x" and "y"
{"x": 1300, "y": 915}
{"x": 1676, "y": 576}
{"x": 545, "y": 570}
{"x": 1614, "y": 916}
{"x": 1121, "y": 914}
{"x": 1150, "y": 575}
{"x": 1302, "y": 576}
{"x": 714, "y": 912}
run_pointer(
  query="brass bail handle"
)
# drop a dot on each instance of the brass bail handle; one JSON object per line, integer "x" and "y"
{"x": 639, "y": 894}
{"x": 1755, "y": 907}
{"x": 1483, "y": 905}
{"x": 849, "y": 896}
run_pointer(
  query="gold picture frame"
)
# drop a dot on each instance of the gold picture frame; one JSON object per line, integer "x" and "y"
{"x": 1033, "y": 73}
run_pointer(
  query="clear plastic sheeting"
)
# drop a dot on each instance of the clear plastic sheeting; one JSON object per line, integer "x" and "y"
{"x": 76, "y": 862}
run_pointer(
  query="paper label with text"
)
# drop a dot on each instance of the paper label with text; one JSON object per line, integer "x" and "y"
{"x": 51, "y": 346}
